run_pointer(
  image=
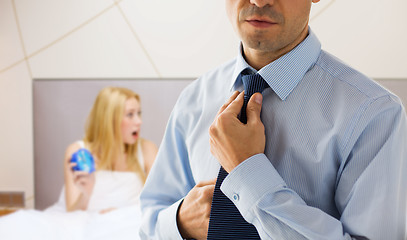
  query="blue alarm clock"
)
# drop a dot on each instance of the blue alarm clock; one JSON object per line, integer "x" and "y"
{"x": 84, "y": 161}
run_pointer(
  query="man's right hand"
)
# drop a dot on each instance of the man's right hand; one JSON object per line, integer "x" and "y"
{"x": 193, "y": 214}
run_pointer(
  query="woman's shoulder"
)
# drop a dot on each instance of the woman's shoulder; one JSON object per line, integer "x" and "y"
{"x": 147, "y": 144}
{"x": 73, "y": 147}
{"x": 149, "y": 150}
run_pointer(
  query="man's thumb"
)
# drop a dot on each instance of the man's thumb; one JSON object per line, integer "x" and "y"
{"x": 254, "y": 107}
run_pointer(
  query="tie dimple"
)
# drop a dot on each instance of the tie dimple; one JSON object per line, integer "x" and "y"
{"x": 252, "y": 83}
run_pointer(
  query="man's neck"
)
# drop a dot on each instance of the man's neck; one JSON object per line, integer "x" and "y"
{"x": 259, "y": 58}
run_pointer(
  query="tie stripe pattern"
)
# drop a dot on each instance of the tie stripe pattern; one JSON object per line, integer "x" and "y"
{"x": 225, "y": 221}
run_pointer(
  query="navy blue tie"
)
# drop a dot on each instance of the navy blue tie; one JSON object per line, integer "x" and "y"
{"x": 225, "y": 220}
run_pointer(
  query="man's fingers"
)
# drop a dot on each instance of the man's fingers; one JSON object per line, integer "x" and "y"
{"x": 236, "y": 105}
{"x": 231, "y": 98}
{"x": 209, "y": 189}
{"x": 254, "y": 108}
{"x": 209, "y": 182}
{"x": 229, "y": 112}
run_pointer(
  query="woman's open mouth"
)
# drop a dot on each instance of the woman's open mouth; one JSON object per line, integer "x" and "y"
{"x": 134, "y": 134}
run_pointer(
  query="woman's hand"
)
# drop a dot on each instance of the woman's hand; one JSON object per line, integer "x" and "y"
{"x": 103, "y": 211}
{"x": 78, "y": 184}
{"x": 83, "y": 181}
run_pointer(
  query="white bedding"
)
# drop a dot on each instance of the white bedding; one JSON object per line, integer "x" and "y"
{"x": 122, "y": 223}
{"x": 112, "y": 189}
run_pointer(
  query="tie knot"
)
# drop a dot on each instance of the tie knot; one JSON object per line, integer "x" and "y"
{"x": 253, "y": 83}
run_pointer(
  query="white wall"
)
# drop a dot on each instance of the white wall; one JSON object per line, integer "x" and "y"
{"x": 370, "y": 35}
{"x": 153, "y": 39}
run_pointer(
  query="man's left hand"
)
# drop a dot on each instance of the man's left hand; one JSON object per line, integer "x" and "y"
{"x": 231, "y": 141}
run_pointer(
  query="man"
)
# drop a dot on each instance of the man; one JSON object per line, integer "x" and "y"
{"x": 325, "y": 158}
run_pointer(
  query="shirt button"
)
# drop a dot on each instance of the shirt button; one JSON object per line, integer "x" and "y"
{"x": 236, "y": 197}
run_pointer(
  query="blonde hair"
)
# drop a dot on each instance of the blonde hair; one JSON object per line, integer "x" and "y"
{"x": 103, "y": 130}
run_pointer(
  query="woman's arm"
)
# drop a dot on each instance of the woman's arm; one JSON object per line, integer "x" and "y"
{"x": 78, "y": 185}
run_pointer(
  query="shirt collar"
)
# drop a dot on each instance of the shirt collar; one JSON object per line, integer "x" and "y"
{"x": 283, "y": 74}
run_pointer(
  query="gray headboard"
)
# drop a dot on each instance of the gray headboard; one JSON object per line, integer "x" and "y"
{"x": 62, "y": 105}
{"x": 397, "y": 86}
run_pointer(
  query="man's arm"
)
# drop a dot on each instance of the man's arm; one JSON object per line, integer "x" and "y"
{"x": 371, "y": 188}
{"x": 173, "y": 206}
{"x": 169, "y": 181}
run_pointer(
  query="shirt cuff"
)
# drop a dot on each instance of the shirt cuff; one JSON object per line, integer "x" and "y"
{"x": 167, "y": 224}
{"x": 250, "y": 181}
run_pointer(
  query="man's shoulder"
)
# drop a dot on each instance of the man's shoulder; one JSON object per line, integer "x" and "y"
{"x": 351, "y": 78}
{"x": 211, "y": 79}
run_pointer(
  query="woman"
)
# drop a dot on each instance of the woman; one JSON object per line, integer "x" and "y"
{"x": 122, "y": 158}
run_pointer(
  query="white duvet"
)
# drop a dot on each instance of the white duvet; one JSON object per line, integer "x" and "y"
{"x": 112, "y": 189}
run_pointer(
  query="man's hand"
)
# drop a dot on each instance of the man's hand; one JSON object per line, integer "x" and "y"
{"x": 231, "y": 141}
{"x": 193, "y": 214}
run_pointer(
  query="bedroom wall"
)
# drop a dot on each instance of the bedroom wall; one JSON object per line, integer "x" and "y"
{"x": 155, "y": 39}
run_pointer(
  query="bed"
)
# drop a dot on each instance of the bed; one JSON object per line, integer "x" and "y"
{"x": 55, "y": 223}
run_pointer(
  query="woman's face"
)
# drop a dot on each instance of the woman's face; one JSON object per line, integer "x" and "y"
{"x": 131, "y": 121}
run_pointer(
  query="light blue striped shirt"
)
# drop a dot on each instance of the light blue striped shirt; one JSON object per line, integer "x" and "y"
{"x": 334, "y": 165}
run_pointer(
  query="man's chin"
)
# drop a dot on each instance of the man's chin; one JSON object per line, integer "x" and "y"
{"x": 259, "y": 44}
